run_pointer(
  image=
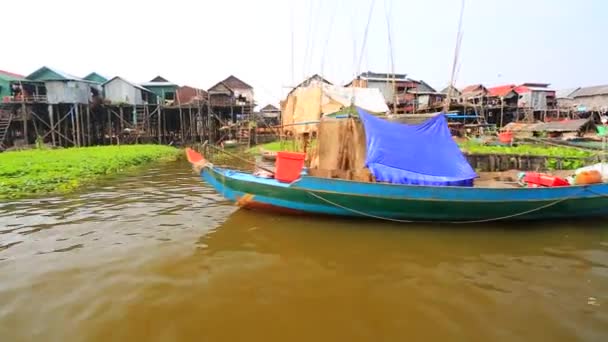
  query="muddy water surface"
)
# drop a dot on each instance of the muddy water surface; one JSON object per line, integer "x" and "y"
{"x": 160, "y": 257}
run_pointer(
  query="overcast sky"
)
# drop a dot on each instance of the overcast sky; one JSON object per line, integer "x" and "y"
{"x": 199, "y": 43}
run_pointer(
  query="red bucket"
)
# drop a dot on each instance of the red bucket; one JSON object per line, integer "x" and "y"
{"x": 289, "y": 166}
{"x": 505, "y": 137}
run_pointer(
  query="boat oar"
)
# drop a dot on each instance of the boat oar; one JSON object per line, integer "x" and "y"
{"x": 240, "y": 158}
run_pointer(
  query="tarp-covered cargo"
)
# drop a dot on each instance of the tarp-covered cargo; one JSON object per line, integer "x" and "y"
{"x": 423, "y": 154}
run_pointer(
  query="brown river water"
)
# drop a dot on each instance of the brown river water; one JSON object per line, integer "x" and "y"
{"x": 158, "y": 256}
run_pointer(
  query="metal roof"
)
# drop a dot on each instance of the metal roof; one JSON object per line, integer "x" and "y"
{"x": 159, "y": 84}
{"x": 382, "y": 75}
{"x": 269, "y": 108}
{"x": 59, "y": 75}
{"x": 128, "y": 82}
{"x": 566, "y": 93}
{"x": 591, "y": 91}
{"x": 95, "y": 77}
{"x": 9, "y": 76}
{"x": 501, "y": 91}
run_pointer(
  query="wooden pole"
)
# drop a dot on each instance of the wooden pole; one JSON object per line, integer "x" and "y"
{"x": 181, "y": 116}
{"x": 164, "y": 117}
{"x": 24, "y": 119}
{"x": 89, "y": 125}
{"x": 52, "y": 121}
{"x": 209, "y": 118}
{"x": 73, "y": 125}
{"x": 502, "y": 110}
{"x": 110, "y": 125}
{"x": 159, "y": 124}
{"x": 122, "y": 119}
{"x": 190, "y": 121}
{"x": 77, "y": 115}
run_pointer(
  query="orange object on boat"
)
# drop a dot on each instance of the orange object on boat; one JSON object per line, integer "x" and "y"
{"x": 289, "y": 166}
{"x": 193, "y": 156}
{"x": 505, "y": 137}
{"x": 535, "y": 179}
{"x": 588, "y": 177}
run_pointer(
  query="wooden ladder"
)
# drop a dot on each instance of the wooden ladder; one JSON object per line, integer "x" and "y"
{"x": 141, "y": 116}
{"x": 5, "y": 123}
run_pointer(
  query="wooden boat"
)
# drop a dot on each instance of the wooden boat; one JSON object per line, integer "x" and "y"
{"x": 403, "y": 203}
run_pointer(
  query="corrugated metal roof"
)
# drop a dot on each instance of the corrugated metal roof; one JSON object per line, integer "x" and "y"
{"x": 129, "y": 82}
{"x": 455, "y": 90}
{"x": 382, "y": 75}
{"x": 95, "y": 77}
{"x": 55, "y": 75}
{"x": 269, "y": 108}
{"x": 591, "y": 91}
{"x": 159, "y": 84}
{"x": 10, "y": 76}
{"x": 565, "y": 93}
{"x": 502, "y": 90}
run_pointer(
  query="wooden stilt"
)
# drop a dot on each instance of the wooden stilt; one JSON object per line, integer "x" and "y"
{"x": 52, "y": 121}
{"x": 89, "y": 125}
{"x": 110, "y": 126}
{"x": 159, "y": 124}
{"x": 24, "y": 118}
{"x": 73, "y": 125}
{"x": 191, "y": 135}
{"x": 122, "y": 118}
{"x": 77, "y": 116}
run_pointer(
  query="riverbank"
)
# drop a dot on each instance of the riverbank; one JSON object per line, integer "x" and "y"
{"x": 34, "y": 172}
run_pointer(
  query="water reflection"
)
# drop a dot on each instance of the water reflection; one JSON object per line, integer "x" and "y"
{"x": 160, "y": 257}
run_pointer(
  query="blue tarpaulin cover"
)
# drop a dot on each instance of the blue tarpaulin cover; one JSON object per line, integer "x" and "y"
{"x": 423, "y": 154}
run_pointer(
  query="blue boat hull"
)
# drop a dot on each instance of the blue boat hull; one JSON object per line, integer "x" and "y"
{"x": 408, "y": 203}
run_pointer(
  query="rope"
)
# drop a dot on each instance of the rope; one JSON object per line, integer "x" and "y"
{"x": 450, "y": 222}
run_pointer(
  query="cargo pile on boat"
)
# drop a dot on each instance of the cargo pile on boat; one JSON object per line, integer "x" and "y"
{"x": 593, "y": 174}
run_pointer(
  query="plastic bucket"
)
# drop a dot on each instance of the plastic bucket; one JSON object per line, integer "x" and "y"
{"x": 505, "y": 137}
{"x": 289, "y": 166}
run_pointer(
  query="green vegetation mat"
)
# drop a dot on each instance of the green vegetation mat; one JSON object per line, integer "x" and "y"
{"x": 526, "y": 149}
{"x": 47, "y": 171}
{"x": 571, "y": 158}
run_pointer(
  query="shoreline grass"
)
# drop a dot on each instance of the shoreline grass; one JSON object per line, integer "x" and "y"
{"x": 35, "y": 172}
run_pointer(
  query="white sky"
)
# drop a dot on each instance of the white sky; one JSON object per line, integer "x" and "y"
{"x": 199, "y": 43}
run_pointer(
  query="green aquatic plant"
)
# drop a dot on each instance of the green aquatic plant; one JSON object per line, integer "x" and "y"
{"x": 525, "y": 149}
{"x": 31, "y": 172}
{"x": 570, "y": 158}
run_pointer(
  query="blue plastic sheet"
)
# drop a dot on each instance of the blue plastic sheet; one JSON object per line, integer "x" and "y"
{"x": 423, "y": 154}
